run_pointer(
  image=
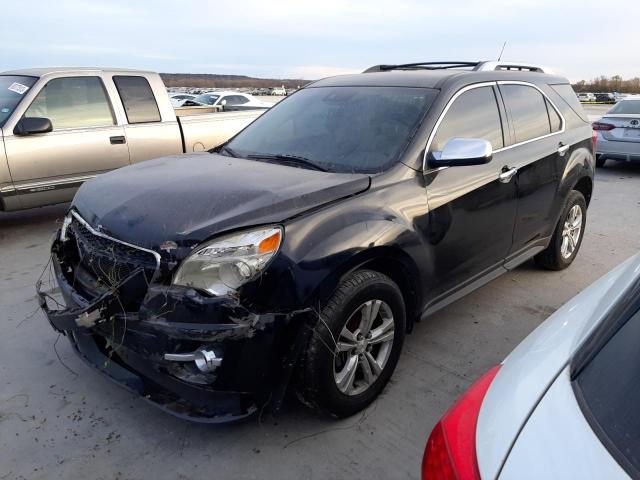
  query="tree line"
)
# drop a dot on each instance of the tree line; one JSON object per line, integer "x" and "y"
{"x": 210, "y": 80}
{"x": 609, "y": 84}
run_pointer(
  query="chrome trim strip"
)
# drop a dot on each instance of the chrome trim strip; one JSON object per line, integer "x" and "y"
{"x": 488, "y": 84}
{"x": 100, "y": 234}
{"x": 53, "y": 184}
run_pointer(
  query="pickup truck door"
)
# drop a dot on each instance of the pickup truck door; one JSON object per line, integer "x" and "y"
{"x": 48, "y": 168}
{"x": 472, "y": 209}
{"x": 152, "y": 131}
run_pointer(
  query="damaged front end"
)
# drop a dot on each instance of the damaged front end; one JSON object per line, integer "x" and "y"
{"x": 200, "y": 357}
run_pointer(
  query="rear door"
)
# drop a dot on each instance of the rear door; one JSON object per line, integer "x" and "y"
{"x": 471, "y": 210}
{"x": 148, "y": 134}
{"x": 85, "y": 141}
{"x": 538, "y": 154}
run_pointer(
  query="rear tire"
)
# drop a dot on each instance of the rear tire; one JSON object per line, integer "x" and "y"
{"x": 600, "y": 161}
{"x": 346, "y": 365}
{"x": 567, "y": 237}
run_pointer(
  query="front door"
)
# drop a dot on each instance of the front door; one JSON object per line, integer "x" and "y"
{"x": 48, "y": 168}
{"x": 472, "y": 209}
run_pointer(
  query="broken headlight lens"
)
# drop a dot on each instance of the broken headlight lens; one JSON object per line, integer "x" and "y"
{"x": 224, "y": 264}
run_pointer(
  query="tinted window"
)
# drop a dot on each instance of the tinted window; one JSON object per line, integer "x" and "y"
{"x": 610, "y": 390}
{"x": 627, "y": 106}
{"x": 342, "y": 129}
{"x": 206, "y": 99}
{"x": 73, "y": 102}
{"x": 474, "y": 114}
{"x": 554, "y": 118}
{"x": 138, "y": 100}
{"x": 528, "y": 111}
{"x": 239, "y": 100}
{"x": 12, "y": 90}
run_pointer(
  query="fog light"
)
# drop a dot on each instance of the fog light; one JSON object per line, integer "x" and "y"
{"x": 205, "y": 359}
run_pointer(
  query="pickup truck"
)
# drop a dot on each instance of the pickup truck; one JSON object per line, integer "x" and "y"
{"x": 62, "y": 126}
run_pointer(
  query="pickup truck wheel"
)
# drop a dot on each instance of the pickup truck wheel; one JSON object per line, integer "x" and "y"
{"x": 355, "y": 345}
{"x": 567, "y": 237}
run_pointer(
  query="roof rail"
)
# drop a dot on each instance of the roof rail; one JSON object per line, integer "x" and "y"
{"x": 484, "y": 66}
{"x": 519, "y": 66}
{"x": 422, "y": 66}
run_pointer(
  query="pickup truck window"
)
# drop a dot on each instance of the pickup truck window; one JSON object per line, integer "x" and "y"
{"x": 340, "y": 129}
{"x": 73, "y": 102}
{"x": 12, "y": 90}
{"x": 137, "y": 98}
{"x": 474, "y": 114}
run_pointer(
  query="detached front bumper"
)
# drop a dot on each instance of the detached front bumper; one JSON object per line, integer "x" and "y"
{"x": 257, "y": 351}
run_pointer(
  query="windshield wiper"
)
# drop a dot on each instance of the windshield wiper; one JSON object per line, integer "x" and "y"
{"x": 294, "y": 159}
{"x": 224, "y": 148}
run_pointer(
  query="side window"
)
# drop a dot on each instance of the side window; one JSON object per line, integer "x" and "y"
{"x": 73, "y": 102}
{"x": 554, "y": 117}
{"x": 240, "y": 100}
{"x": 528, "y": 110}
{"x": 474, "y": 114}
{"x": 138, "y": 100}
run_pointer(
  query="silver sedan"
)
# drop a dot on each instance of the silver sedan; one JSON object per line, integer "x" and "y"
{"x": 562, "y": 405}
{"x": 619, "y": 132}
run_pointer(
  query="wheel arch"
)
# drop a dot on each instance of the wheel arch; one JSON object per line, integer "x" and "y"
{"x": 390, "y": 261}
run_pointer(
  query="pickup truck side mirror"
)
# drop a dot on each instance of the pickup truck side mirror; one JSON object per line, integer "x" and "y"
{"x": 463, "y": 151}
{"x": 32, "y": 125}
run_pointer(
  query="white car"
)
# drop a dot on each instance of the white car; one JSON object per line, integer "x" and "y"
{"x": 565, "y": 404}
{"x": 281, "y": 91}
{"x": 178, "y": 99}
{"x": 586, "y": 97}
{"x": 231, "y": 99}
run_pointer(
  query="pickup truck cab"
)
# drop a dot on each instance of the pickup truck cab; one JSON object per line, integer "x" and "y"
{"x": 303, "y": 249}
{"x": 62, "y": 126}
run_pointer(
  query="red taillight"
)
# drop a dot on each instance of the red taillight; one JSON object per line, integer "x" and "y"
{"x": 450, "y": 453}
{"x": 595, "y": 139}
{"x": 602, "y": 126}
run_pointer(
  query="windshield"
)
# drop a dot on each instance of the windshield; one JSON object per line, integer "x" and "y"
{"x": 12, "y": 89}
{"x": 206, "y": 98}
{"x": 340, "y": 129}
{"x": 626, "y": 107}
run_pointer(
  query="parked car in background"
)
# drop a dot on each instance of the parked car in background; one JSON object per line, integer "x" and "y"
{"x": 62, "y": 126}
{"x": 618, "y": 132}
{"x": 179, "y": 99}
{"x": 586, "y": 97}
{"x": 281, "y": 91}
{"x": 562, "y": 405}
{"x": 605, "y": 98}
{"x": 230, "y": 99}
{"x": 310, "y": 243}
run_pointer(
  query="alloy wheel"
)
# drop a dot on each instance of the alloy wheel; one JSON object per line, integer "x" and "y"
{"x": 363, "y": 347}
{"x": 571, "y": 232}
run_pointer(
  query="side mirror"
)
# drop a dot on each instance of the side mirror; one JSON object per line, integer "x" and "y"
{"x": 32, "y": 125}
{"x": 463, "y": 151}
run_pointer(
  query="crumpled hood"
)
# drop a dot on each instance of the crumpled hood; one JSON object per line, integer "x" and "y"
{"x": 189, "y": 198}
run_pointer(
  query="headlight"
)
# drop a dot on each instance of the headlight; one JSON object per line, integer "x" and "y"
{"x": 224, "y": 264}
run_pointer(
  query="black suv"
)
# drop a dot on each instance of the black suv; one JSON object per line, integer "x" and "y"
{"x": 300, "y": 252}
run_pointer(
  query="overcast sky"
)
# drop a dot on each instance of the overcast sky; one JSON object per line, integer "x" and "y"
{"x": 311, "y": 39}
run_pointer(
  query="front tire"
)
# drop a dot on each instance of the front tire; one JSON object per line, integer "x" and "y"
{"x": 355, "y": 345}
{"x": 567, "y": 237}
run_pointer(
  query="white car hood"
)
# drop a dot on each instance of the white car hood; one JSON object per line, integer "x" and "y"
{"x": 529, "y": 370}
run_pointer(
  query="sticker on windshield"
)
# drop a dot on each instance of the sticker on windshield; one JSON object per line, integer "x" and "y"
{"x": 18, "y": 88}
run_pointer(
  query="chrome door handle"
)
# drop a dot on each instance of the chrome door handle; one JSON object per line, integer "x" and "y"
{"x": 507, "y": 174}
{"x": 562, "y": 149}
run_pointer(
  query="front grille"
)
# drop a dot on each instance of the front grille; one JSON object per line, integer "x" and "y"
{"x": 108, "y": 261}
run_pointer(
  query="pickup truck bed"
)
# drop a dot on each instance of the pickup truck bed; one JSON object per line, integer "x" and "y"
{"x": 63, "y": 126}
